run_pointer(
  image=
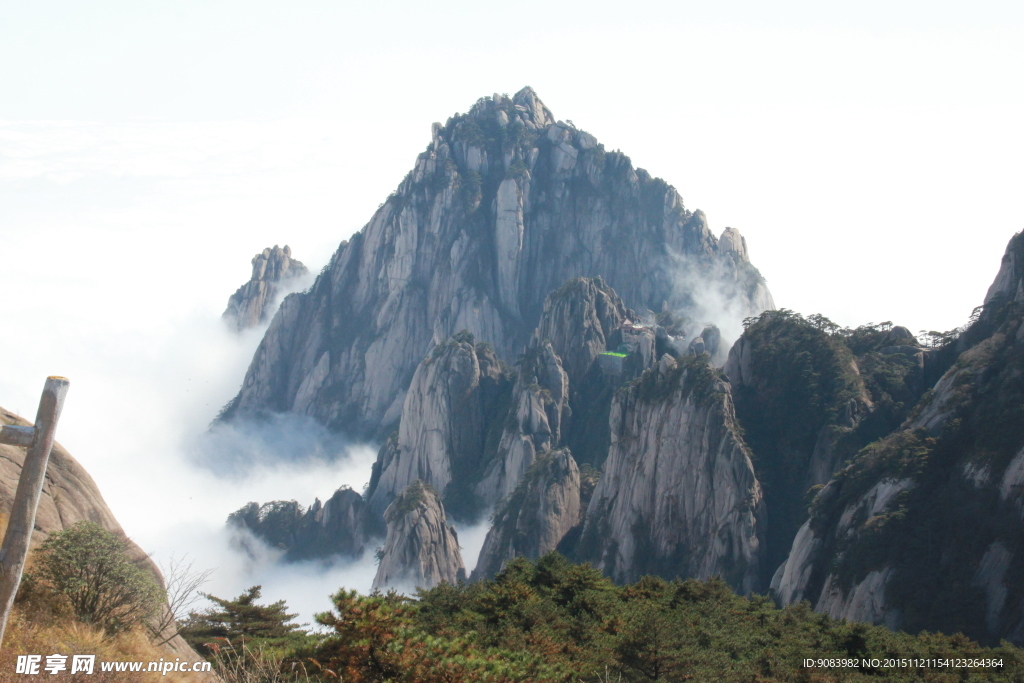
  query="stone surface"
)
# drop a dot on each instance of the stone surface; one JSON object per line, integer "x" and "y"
{"x": 492, "y": 218}
{"x": 447, "y": 414}
{"x": 678, "y": 496}
{"x": 732, "y": 242}
{"x": 536, "y": 517}
{"x": 272, "y": 270}
{"x": 420, "y": 550}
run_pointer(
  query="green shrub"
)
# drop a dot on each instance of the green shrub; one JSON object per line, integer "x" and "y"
{"x": 89, "y": 568}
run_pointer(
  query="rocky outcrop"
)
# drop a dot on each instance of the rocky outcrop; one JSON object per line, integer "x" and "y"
{"x": 504, "y": 205}
{"x": 70, "y": 496}
{"x": 861, "y": 600}
{"x": 733, "y": 243}
{"x": 469, "y": 432}
{"x": 540, "y": 406}
{"x": 579, "y": 320}
{"x": 562, "y": 393}
{"x": 334, "y": 528}
{"x": 452, "y": 404}
{"x": 536, "y": 517}
{"x": 922, "y": 529}
{"x": 421, "y": 550}
{"x": 678, "y": 496}
{"x": 272, "y": 271}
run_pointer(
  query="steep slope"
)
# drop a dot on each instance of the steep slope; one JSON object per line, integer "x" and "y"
{"x": 472, "y": 433}
{"x": 503, "y": 206}
{"x": 678, "y": 496}
{"x": 69, "y": 496}
{"x": 455, "y": 401}
{"x": 808, "y": 396}
{"x": 536, "y": 517}
{"x": 272, "y": 270}
{"x": 562, "y": 395}
{"x": 923, "y": 528}
{"x": 336, "y": 527}
{"x": 420, "y": 550}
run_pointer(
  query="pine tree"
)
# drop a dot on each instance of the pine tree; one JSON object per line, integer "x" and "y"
{"x": 243, "y": 622}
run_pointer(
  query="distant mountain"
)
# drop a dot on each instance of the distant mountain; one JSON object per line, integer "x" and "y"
{"x": 504, "y": 206}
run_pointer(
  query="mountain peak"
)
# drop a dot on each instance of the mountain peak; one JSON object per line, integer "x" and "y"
{"x": 527, "y": 101}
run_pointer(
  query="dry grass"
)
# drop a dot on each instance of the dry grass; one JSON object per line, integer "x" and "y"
{"x": 48, "y": 635}
{"x": 240, "y": 664}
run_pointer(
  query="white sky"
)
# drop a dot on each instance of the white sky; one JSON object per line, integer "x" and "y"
{"x": 870, "y": 153}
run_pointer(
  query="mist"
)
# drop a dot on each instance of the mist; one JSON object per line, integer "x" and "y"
{"x": 717, "y": 294}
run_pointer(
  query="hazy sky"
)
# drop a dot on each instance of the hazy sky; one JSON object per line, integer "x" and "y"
{"x": 870, "y": 153}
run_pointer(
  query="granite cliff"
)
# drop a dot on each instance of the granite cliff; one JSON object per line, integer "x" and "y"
{"x": 532, "y": 521}
{"x": 678, "y": 496}
{"x": 505, "y": 204}
{"x": 420, "y": 550}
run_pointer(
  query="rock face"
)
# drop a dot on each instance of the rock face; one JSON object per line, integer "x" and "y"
{"x": 678, "y": 496}
{"x": 272, "y": 269}
{"x": 470, "y": 432}
{"x": 503, "y": 206}
{"x": 450, "y": 408}
{"x": 536, "y": 517}
{"x": 540, "y": 407}
{"x": 421, "y": 550}
{"x": 336, "y": 527}
{"x": 801, "y": 432}
{"x": 923, "y": 528}
{"x": 69, "y": 496}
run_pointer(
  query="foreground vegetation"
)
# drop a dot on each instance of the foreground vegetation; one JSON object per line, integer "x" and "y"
{"x": 556, "y": 621}
{"x": 84, "y": 594}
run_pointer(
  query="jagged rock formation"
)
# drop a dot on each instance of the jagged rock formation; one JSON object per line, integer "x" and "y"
{"x": 579, "y": 319}
{"x": 69, "y": 496}
{"x": 536, "y": 517}
{"x": 452, "y": 405}
{"x": 420, "y": 550}
{"x": 923, "y": 528}
{"x": 471, "y": 433}
{"x": 503, "y": 206}
{"x": 272, "y": 269}
{"x": 336, "y": 527}
{"x": 678, "y": 496}
{"x": 540, "y": 407}
{"x": 566, "y": 402}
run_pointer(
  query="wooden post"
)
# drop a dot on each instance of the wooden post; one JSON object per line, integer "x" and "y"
{"x": 14, "y": 550}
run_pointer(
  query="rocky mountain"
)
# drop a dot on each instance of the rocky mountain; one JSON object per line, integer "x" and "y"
{"x": 922, "y": 528}
{"x": 272, "y": 270}
{"x": 505, "y": 205}
{"x": 336, "y": 527}
{"x": 420, "y": 550}
{"x": 525, "y": 323}
{"x": 69, "y": 496}
{"x": 679, "y": 496}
